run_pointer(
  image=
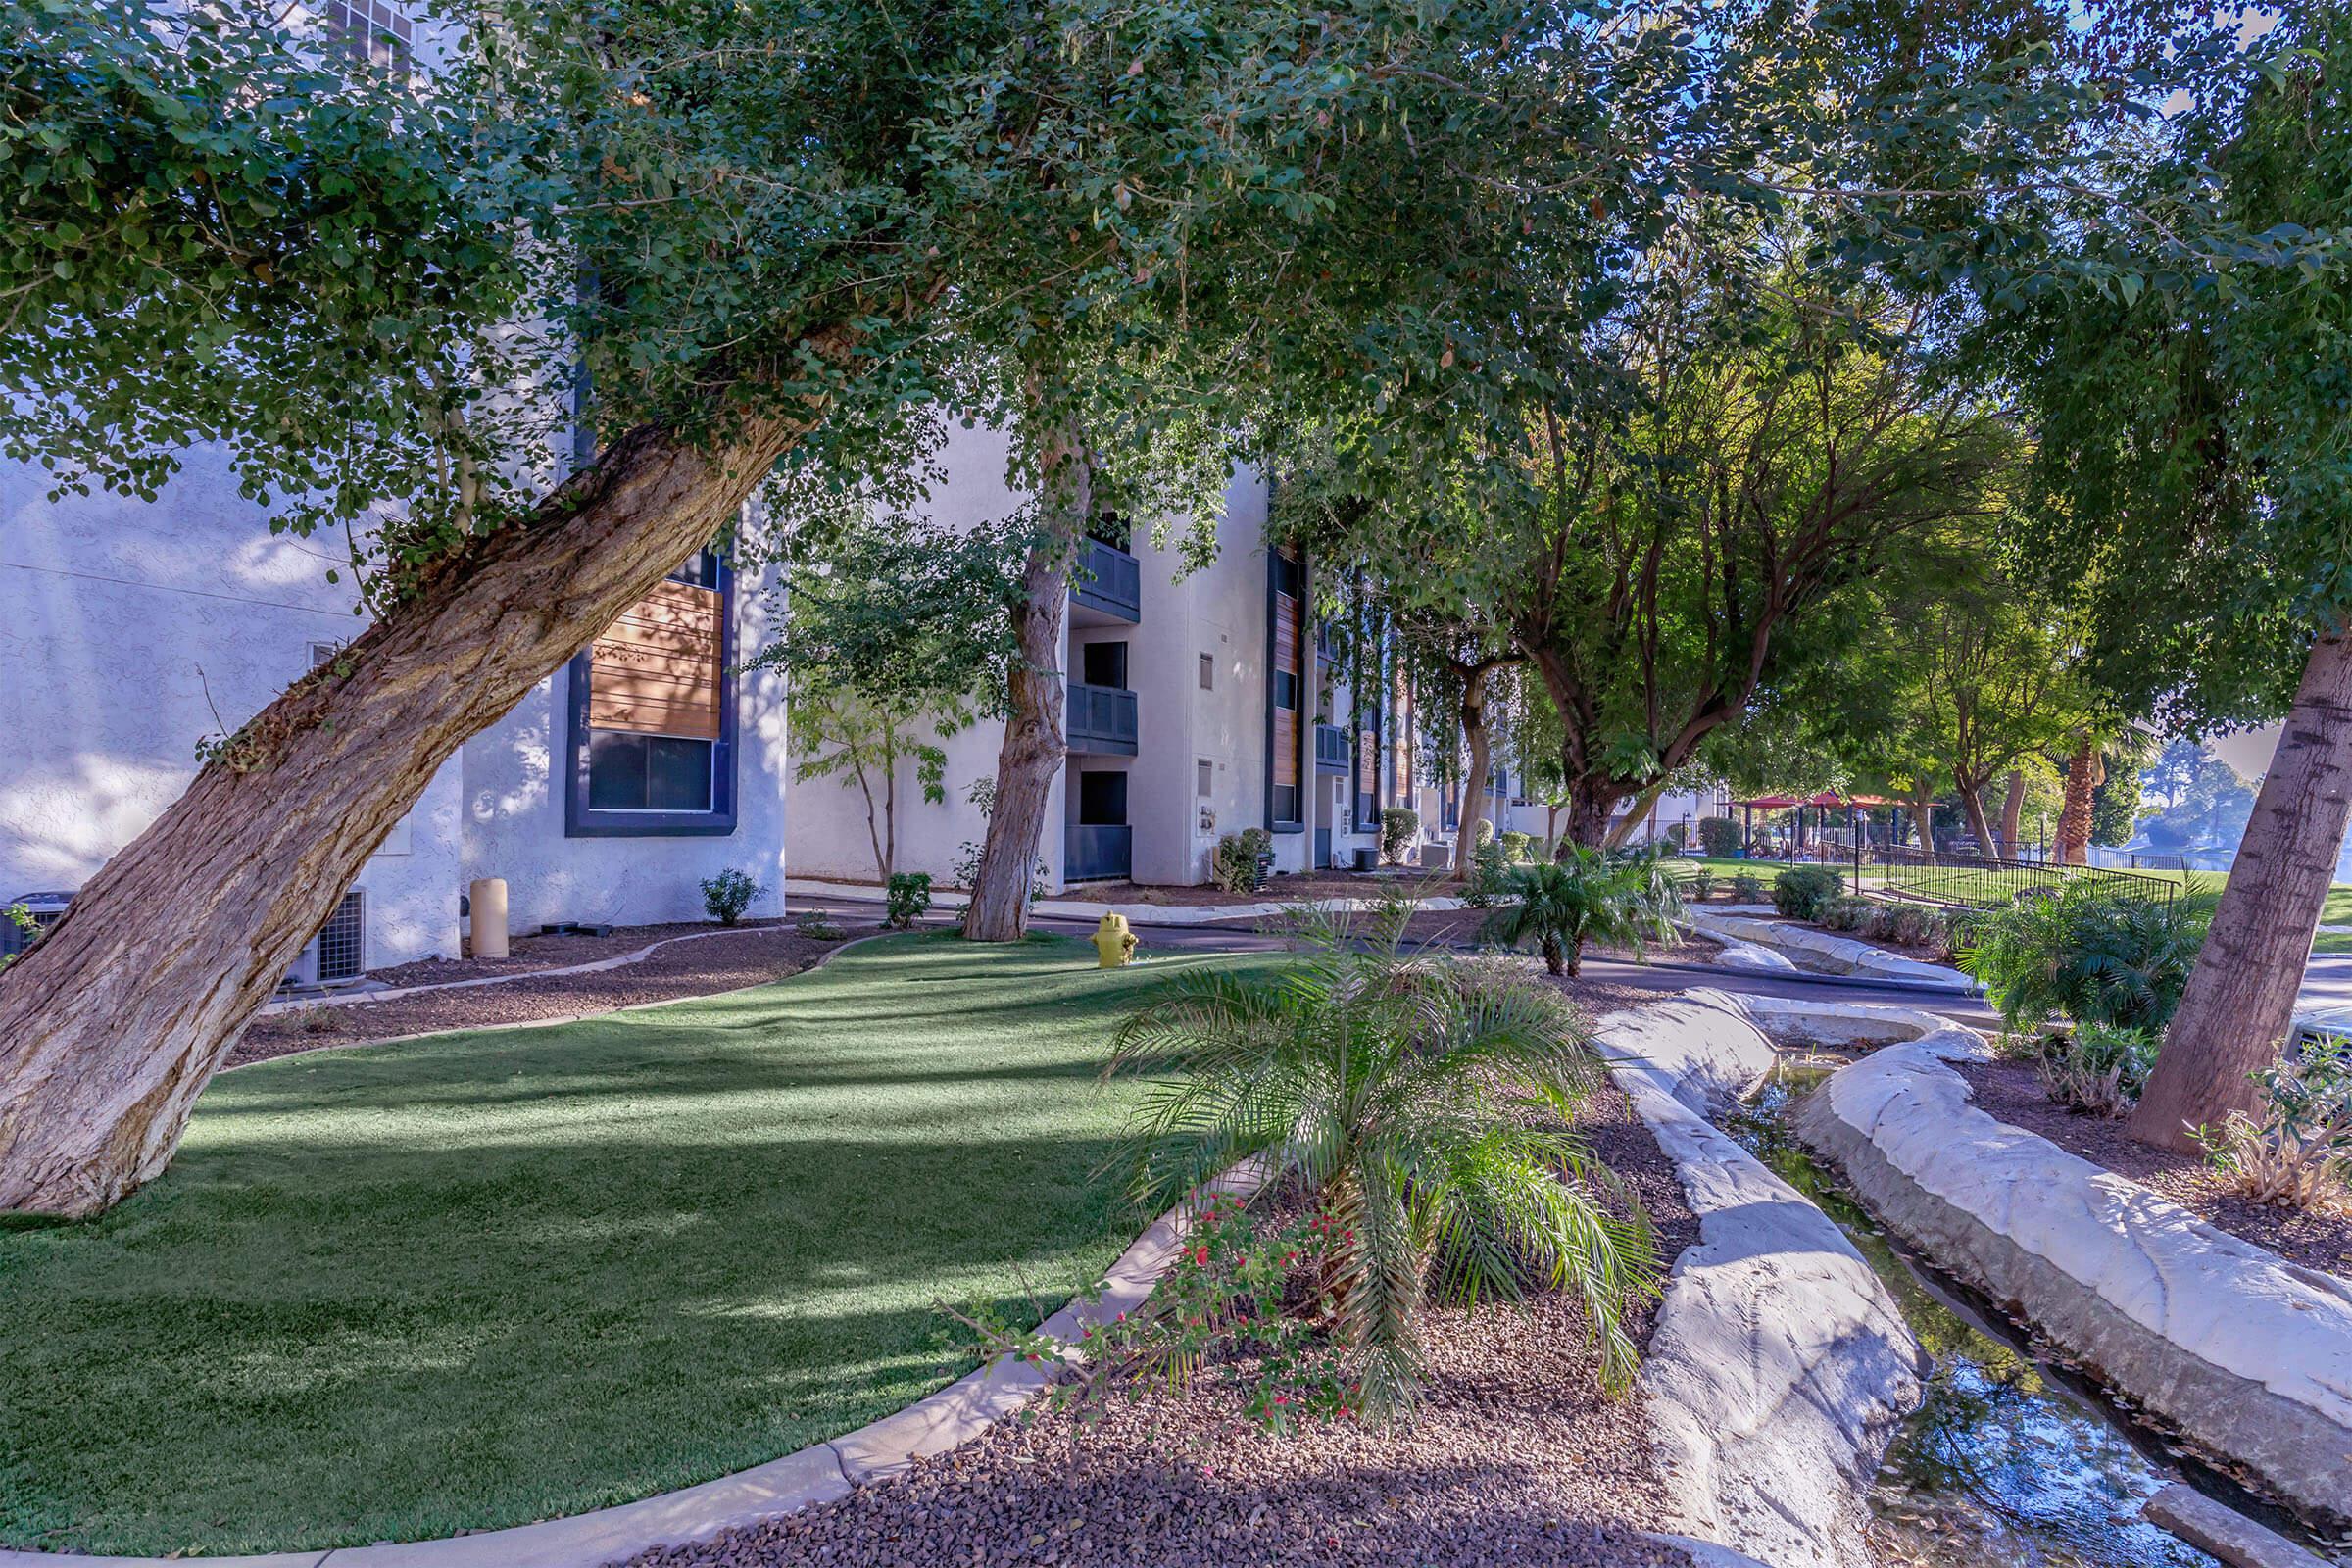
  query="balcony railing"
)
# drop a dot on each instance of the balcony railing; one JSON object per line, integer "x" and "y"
{"x": 1092, "y": 851}
{"x": 1101, "y": 719}
{"x": 1108, "y": 579}
{"x": 1330, "y": 748}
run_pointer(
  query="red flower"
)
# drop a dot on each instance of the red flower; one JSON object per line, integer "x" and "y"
{"x": 1200, "y": 1256}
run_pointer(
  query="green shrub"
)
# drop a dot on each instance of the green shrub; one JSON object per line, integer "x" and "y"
{"x": 1746, "y": 888}
{"x": 1235, "y": 864}
{"x": 1848, "y": 913}
{"x": 818, "y": 926}
{"x": 1396, "y": 1091}
{"x": 1802, "y": 892}
{"x": 1678, "y": 834}
{"x": 2297, "y": 1152}
{"x": 1559, "y": 906}
{"x": 727, "y": 895}
{"x": 1489, "y": 877}
{"x": 1719, "y": 836}
{"x": 905, "y": 898}
{"x": 1698, "y": 881}
{"x": 1518, "y": 846}
{"x": 1397, "y": 826}
{"x": 2098, "y": 1068}
{"x": 2087, "y": 955}
{"x": 1482, "y": 833}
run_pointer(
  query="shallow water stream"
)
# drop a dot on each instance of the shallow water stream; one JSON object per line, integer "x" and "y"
{"x": 2011, "y": 1462}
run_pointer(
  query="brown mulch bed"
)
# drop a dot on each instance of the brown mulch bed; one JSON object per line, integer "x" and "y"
{"x": 2012, "y": 1092}
{"x": 527, "y": 953}
{"x": 750, "y": 957}
{"x": 1514, "y": 1456}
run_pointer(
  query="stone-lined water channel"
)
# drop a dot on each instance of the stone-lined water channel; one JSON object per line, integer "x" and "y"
{"x": 2010, "y": 1461}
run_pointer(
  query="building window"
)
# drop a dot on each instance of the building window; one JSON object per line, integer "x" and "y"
{"x": 1208, "y": 672}
{"x": 369, "y": 32}
{"x": 1286, "y": 803}
{"x": 1103, "y": 664}
{"x": 1103, "y": 799}
{"x": 1286, "y": 689}
{"x": 652, "y": 714}
{"x": 1205, "y": 778}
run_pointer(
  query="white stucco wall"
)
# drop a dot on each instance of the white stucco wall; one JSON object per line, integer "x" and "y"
{"x": 513, "y": 808}
{"x": 1219, "y": 609}
{"x": 129, "y": 631}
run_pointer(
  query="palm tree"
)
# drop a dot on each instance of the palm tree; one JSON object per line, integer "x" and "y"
{"x": 1588, "y": 896}
{"x": 2090, "y": 955}
{"x": 1423, "y": 1104}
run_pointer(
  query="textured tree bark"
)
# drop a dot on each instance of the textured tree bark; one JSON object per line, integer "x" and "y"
{"x": 2013, "y": 810}
{"x": 1972, "y": 806}
{"x": 1033, "y": 748}
{"x": 2240, "y": 997}
{"x": 1922, "y": 819}
{"x": 2083, "y": 776}
{"x": 1480, "y": 741}
{"x": 111, "y": 1026}
{"x": 1624, "y": 830}
{"x": 1589, "y": 803}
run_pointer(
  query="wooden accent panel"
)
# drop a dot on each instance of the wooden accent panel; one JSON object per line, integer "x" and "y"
{"x": 1286, "y": 746}
{"x": 656, "y": 671}
{"x": 1286, "y": 633}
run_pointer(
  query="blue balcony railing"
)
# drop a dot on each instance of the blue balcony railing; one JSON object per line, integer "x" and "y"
{"x": 1330, "y": 748}
{"x": 1092, "y": 851}
{"x": 1101, "y": 719}
{"x": 1108, "y": 579}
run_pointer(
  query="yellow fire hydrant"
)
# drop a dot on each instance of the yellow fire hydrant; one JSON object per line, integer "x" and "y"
{"x": 1114, "y": 941}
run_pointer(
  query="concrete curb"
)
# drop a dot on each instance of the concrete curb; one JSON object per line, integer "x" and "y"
{"x": 814, "y": 964}
{"x": 2250, "y": 1356}
{"x": 1780, "y": 1367}
{"x": 351, "y": 999}
{"x": 817, "y": 1474}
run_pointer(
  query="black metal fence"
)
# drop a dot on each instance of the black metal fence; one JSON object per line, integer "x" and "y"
{"x": 1983, "y": 881}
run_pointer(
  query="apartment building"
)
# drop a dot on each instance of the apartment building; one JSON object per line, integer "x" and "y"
{"x": 129, "y": 631}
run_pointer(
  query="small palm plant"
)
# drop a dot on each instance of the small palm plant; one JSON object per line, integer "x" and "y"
{"x": 2090, "y": 954}
{"x": 1588, "y": 896}
{"x": 1423, "y": 1104}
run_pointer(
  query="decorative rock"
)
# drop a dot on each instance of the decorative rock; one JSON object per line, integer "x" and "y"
{"x": 2223, "y": 1532}
{"x": 2248, "y": 1356}
{"x": 1839, "y": 954}
{"x": 1779, "y": 1366}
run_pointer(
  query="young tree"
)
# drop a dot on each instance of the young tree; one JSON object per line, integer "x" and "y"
{"x": 742, "y": 235}
{"x": 896, "y": 637}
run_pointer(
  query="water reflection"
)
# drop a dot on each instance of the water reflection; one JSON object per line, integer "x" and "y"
{"x": 2002, "y": 1466}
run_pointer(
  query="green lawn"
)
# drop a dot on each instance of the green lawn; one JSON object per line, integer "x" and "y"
{"x": 482, "y": 1279}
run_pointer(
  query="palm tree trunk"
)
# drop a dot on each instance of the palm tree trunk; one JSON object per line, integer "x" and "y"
{"x": 2083, "y": 775}
{"x": 112, "y": 1025}
{"x": 2240, "y": 998}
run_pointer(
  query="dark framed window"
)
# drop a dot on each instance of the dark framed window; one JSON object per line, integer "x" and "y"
{"x": 1286, "y": 690}
{"x": 1103, "y": 799}
{"x": 1104, "y": 663}
{"x": 1208, "y": 672}
{"x": 1286, "y": 803}
{"x": 652, "y": 714}
{"x": 370, "y": 32}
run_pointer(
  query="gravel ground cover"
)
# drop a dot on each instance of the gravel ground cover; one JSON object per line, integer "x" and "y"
{"x": 750, "y": 957}
{"x": 1513, "y": 1457}
{"x": 2012, "y": 1092}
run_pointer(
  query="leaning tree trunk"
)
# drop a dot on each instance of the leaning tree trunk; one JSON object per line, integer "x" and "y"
{"x": 1923, "y": 822}
{"x": 2240, "y": 998}
{"x": 2082, "y": 780}
{"x": 1633, "y": 815}
{"x": 1972, "y": 806}
{"x": 2013, "y": 810}
{"x": 112, "y": 1025}
{"x": 1034, "y": 749}
{"x": 1481, "y": 742}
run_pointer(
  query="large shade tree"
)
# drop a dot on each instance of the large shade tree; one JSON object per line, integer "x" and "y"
{"x": 2196, "y": 487}
{"x": 532, "y": 325}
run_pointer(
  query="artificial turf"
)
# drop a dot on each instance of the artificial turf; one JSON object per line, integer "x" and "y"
{"x": 399, "y": 1291}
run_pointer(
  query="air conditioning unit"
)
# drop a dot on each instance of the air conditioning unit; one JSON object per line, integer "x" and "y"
{"x": 337, "y": 953}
